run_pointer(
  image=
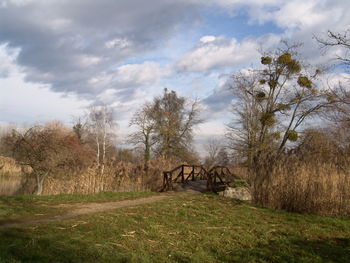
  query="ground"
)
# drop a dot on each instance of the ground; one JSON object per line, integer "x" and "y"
{"x": 184, "y": 227}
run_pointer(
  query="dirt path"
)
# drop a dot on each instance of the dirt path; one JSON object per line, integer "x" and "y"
{"x": 90, "y": 208}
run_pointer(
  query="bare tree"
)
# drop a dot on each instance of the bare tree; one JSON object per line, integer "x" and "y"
{"x": 242, "y": 131}
{"x": 223, "y": 157}
{"x": 274, "y": 101}
{"x": 100, "y": 124}
{"x": 339, "y": 113}
{"x": 144, "y": 135}
{"x": 341, "y": 93}
{"x": 80, "y": 129}
{"x": 174, "y": 118}
{"x": 212, "y": 149}
{"x": 337, "y": 39}
{"x": 46, "y": 150}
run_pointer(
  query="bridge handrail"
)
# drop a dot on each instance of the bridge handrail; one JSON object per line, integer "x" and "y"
{"x": 210, "y": 175}
{"x": 183, "y": 165}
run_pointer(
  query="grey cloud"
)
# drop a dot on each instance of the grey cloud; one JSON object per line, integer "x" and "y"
{"x": 220, "y": 100}
{"x": 66, "y": 43}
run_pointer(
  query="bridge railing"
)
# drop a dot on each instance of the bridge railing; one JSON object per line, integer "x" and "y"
{"x": 182, "y": 174}
{"x": 216, "y": 177}
{"x": 219, "y": 177}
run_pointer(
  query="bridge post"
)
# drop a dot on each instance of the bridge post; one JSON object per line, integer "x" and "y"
{"x": 171, "y": 181}
{"x": 216, "y": 173}
{"x": 165, "y": 181}
{"x": 182, "y": 174}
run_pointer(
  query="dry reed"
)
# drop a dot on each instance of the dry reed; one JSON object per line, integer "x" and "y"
{"x": 117, "y": 177}
{"x": 306, "y": 186}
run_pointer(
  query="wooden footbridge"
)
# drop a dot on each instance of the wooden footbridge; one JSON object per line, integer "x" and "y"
{"x": 218, "y": 177}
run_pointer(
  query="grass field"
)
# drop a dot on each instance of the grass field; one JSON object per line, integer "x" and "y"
{"x": 184, "y": 228}
{"x": 25, "y": 207}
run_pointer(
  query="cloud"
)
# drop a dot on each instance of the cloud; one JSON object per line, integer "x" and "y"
{"x": 300, "y": 20}
{"x": 292, "y": 14}
{"x": 125, "y": 82}
{"x": 303, "y": 15}
{"x": 220, "y": 52}
{"x": 23, "y": 102}
{"x": 216, "y": 106}
{"x": 120, "y": 52}
{"x": 67, "y": 43}
{"x": 215, "y": 52}
{"x": 147, "y": 73}
{"x": 8, "y": 61}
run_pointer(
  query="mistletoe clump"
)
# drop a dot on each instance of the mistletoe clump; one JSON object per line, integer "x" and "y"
{"x": 272, "y": 83}
{"x": 282, "y": 107}
{"x": 292, "y": 136}
{"x": 268, "y": 119}
{"x": 304, "y": 81}
{"x": 292, "y": 65}
{"x": 266, "y": 60}
{"x": 285, "y": 58}
{"x": 260, "y": 96}
{"x": 276, "y": 135}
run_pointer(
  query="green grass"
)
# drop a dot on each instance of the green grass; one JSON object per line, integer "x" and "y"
{"x": 187, "y": 228}
{"x": 238, "y": 183}
{"x": 25, "y": 207}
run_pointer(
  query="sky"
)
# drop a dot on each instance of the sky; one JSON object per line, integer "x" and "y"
{"x": 58, "y": 57}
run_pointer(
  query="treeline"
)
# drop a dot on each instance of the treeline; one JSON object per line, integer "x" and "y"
{"x": 163, "y": 131}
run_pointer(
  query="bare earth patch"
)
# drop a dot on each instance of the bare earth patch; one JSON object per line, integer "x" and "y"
{"x": 78, "y": 209}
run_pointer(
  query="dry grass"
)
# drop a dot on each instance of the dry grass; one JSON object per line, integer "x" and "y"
{"x": 117, "y": 177}
{"x": 241, "y": 172}
{"x": 306, "y": 186}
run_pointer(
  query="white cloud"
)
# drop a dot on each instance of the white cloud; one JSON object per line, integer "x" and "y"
{"x": 299, "y": 14}
{"x": 212, "y": 128}
{"x": 335, "y": 79}
{"x": 207, "y": 39}
{"x": 26, "y": 102}
{"x": 147, "y": 73}
{"x": 23, "y": 102}
{"x": 88, "y": 61}
{"x": 82, "y": 46}
{"x": 8, "y": 58}
{"x": 312, "y": 16}
{"x": 218, "y": 52}
{"x": 118, "y": 43}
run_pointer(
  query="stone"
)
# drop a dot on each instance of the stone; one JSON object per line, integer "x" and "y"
{"x": 239, "y": 193}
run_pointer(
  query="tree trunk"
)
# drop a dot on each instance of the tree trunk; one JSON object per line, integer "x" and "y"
{"x": 39, "y": 183}
{"x": 104, "y": 144}
{"x": 98, "y": 149}
{"x": 147, "y": 154}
